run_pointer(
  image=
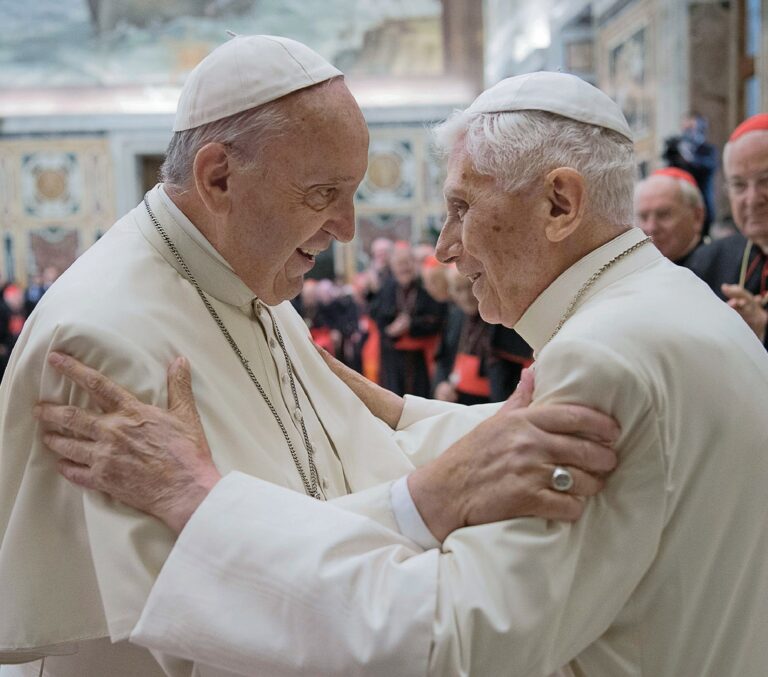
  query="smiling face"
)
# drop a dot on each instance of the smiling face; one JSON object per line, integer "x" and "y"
{"x": 746, "y": 172}
{"x": 300, "y": 196}
{"x": 495, "y": 238}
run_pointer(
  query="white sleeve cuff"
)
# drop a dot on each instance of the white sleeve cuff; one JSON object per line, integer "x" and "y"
{"x": 407, "y": 516}
{"x": 416, "y": 409}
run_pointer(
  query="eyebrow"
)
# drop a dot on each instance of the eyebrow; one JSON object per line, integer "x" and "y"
{"x": 758, "y": 175}
{"x": 453, "y": 192}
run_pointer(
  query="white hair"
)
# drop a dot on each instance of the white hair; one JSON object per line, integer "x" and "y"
{"x": 690, "y": 195}
{"x": 516, "y": 148}
{"x": 243, "y": 134}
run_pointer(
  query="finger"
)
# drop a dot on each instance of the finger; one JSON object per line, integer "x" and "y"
{"x": 587, "y": 455}
{"x": 107, "y": 394}
{"x": 358, "y": 383}
{"x": 77, "y": 474}
{"x": 735, "y": 291}
{"x": 574, "y": 419}
{"x": 584, "y": 484}
{"x": 78, "y": 451}
{"x": 337, "y": 367}
{"x": 181, "y": 399}
{"x": 558, "y": 506}
{"x": 523, "y": 394}
{"x": 69, "y": 419}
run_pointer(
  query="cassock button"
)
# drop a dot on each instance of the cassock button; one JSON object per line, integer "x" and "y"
{"x": 272, "y": 343}
{"x": 285, "y": 379}
{"x": 325, "y": 483}
{"x": 297, "y": 414}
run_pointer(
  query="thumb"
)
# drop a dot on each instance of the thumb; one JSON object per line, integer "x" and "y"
{"x": 731, "y": 290}
{"x": 523, "y": 394}
{"x": 181, "y": 400}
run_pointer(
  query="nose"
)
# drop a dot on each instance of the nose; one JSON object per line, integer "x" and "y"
{"x": 647, "y": 224}
{"x": 448, "y": 247}
{"x": 342, "y": 225}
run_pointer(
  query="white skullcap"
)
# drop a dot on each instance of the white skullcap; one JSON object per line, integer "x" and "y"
{"x": 560, "y": 93}
{"x": 246, "y": 72}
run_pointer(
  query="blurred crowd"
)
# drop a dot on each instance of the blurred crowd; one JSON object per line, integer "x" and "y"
{"x": 412, "y": 324}
{"x": 16, "y": 305}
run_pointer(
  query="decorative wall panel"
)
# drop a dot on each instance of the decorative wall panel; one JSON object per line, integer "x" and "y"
{"x": 56, "y": 196}
{"x": 401, "y": 196}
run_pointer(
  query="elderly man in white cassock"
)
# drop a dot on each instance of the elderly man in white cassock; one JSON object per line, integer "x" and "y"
{"x": 268, "y": 150}
{"x": 665, "y": 574}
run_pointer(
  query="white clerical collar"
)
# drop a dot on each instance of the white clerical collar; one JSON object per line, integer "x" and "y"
{"x": 212, "y": 272}
{"x": 188, "y": 227}
{"x": 542, "y": 317}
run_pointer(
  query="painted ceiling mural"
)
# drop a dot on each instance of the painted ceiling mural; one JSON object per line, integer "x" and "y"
{"x": 114, "y": 43}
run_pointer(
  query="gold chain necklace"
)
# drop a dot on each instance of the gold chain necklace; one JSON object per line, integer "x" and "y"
{"x": 592, "y": 279}
{"x": 311, "y": 483}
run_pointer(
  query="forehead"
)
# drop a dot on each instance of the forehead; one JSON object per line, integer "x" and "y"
{"x": 318, "y": 150}
{"x": 462, "y": 176}
{"x": 658, "y": 189}
{"x": 747, "y": 155}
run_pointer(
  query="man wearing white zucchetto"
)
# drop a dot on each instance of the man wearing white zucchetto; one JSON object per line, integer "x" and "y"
{"x": 268, "y": 150}
{"x": 666, "y": 572}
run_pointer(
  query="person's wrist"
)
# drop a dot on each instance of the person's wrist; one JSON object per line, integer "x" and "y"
{"x": 178, "y": 512}
{"x": 437, "y": 495}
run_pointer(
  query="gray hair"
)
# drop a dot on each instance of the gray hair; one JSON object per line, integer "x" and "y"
{"x": 516, "y": 148}
{"x": 244, "y": 134}
{"x": 690, "y": 195}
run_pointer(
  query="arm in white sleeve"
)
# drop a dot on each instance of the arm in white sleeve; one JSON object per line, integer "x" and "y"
{"x": 218, "y": 605}
{"x": 425, "y": 430}
{"x": 428, "y": 427}
{"x": 266, "y": 578}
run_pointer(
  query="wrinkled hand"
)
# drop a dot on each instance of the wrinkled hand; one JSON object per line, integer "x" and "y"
{"x": 156, "y": 460}
{"x": 382, "y": 403}
{"x": 502, "y": 469}
{"x": 749, "y": 306}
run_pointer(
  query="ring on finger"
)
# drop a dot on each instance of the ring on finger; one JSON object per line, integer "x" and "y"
{"x": 562, "y": 479}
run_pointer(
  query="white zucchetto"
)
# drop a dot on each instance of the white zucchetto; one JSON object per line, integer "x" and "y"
{"x": 559, "y": 93}
{"x": 246, "y": 72}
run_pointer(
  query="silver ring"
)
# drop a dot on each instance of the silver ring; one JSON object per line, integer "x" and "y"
{"x": 562, "y": 480}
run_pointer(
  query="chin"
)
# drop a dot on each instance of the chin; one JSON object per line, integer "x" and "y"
{"x": 489, "y": 313}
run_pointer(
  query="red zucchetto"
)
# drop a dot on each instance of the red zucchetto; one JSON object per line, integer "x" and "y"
{"x": 756, "y": 123}
{"x": 676, "y": 173}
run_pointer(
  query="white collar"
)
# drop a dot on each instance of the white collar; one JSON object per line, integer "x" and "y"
{"x": 542, "y": 317}
{"x": 214, "y": 275}
{"x": 188, "y": 227}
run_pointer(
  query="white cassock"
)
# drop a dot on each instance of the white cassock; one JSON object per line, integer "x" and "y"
{"x": 665, "y": 575}
{"x": 75, "y": 567}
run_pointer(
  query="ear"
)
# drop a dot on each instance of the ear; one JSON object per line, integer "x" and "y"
{"x": 566, "y": 193}
{"x": 212, "y": 168}
{"x": 700, "y": 214}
